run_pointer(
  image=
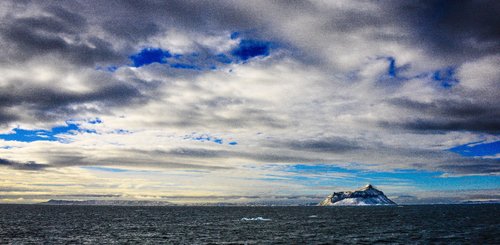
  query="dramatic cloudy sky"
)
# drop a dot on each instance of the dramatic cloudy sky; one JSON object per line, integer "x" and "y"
{"x": 249, "y": 101}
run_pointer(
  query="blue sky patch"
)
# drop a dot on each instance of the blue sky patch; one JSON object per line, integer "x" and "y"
{"x": 208, "y": 138}
{"x": 234, "y": 35}
{"x": 446, "y": 77}
{"x": 150, "y": 55}
{"x": 26, "y": 135}
{"x": 251, "y": 48}
{"x": 95, "y": 121}
{"x": 121, "y": 131}
{"x": 205, "y": 138}
{"x": 395, "y": 75}
{"x": 477, "y": 149}
{"x": 393, "y": 71}
{"x": 245, "y": 50}
{"x": 392, "y": 67}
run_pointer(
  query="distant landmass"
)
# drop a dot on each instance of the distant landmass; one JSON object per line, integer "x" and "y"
{"x": 108, "y": 203}
{"x": 367, "y": 195}
{"x": 481, "y": 202}
{"x": 160, "y": 203}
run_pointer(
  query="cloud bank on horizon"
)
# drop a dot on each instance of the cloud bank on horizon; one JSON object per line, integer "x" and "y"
{"x": 249, "y": 99}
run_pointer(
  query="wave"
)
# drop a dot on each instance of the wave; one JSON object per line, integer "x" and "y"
{"x": 255, "y": 219}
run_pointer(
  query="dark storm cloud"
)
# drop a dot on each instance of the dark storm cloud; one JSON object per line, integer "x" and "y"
{"x": 448, "y": 30}
{"x": 431, "y": 160}
{"x": 449, "y": 108}
{"x": 45, "y": 103}
{"x": 46, "y": 98}
{"x": 194, "y": 15}
{"x": 131, "y": 29}
{"x": 460, "y": 29}
{"x": 352, "y": 20}
{"x": 434, "y": 160}
{"x": 67, "y": 29}
{"x": 448, "y": 115}
{"x": 136, "y": 20}
{"x": 467, "y": 166}
{"x": 73, "y": 158}
{"x": 199, "y": 153}
{"x": 29, "y": 166}
{"x": 34, "y": 36}
{"x": 68, "y": 17}
{"x": 130, "y": 158}
{"x": 443, "y": 125}
{"x": 6, "y": 117}
{"x": 455, "y": 29}
{"x": 455, "y": 164}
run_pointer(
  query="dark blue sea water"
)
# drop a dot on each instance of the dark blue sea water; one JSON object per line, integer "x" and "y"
{"x": 445, "y": 224}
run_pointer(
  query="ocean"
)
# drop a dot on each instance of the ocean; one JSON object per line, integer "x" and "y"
{"x": 425, "y": 224}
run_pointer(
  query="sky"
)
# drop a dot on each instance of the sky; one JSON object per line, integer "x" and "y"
{"x": 249, "y": 101}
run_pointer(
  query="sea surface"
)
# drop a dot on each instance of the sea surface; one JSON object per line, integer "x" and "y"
{"x": 427, "y": 224}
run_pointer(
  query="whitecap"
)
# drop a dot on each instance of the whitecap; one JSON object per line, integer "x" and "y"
{"x": 255, "y": 219}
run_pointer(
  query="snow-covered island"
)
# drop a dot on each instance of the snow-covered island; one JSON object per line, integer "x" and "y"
{"x": 367, "y": 195}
